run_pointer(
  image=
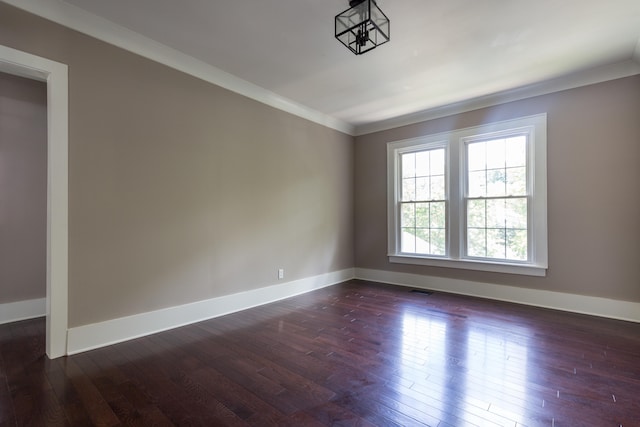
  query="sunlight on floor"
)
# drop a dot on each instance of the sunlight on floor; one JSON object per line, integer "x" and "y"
{"x": 480, "y": 382}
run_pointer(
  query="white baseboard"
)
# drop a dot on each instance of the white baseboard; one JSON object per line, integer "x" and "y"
{"x": 23, "y": 310}
{"x": 595, "y": 306}
{"x": 88, "y": 337}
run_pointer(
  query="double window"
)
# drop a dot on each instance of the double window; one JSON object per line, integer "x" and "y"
{"x": 471, "y": 198}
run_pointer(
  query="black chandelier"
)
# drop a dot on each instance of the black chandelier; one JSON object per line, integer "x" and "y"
{"x": 362, "y": 27}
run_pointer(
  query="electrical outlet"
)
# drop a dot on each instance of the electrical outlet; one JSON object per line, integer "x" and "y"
{"x": 281, "y": 273}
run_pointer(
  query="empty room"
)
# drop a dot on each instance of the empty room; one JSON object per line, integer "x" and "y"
{"x": 319, "y": 213}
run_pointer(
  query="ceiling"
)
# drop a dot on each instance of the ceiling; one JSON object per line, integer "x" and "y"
{"x": 440, "y": 53}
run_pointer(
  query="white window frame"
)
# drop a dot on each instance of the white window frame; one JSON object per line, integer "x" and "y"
{"x": 455, "y": 177}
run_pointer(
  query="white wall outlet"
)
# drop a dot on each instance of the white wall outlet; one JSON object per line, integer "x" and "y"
{"x": 281, "y": 273}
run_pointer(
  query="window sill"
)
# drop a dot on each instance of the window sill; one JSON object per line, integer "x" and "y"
{"x": 525, "y": 269}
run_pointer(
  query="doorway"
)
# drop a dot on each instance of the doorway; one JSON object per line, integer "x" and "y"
{"x": 23, "y": 197}
{"x": 55, "y": 75}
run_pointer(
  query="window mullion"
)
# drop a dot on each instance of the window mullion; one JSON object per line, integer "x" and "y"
{"x": 455, "y": 192}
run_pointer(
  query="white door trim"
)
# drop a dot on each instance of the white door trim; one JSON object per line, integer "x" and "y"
{"x": 55, "y": 74}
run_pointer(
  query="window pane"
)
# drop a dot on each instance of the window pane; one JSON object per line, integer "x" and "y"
{"x": 422, "y": 215}
{"x": 437, "y": 215}
{"x": 505, "y": 224}
{"x": 476, "y": 216}
{"x": 438, "y": 242}
{"x": 517, "y": 245}
{"x": 422, "y": 188}
{"x": 408, "y": 189}
{"x": 516, "y": 181}
{"x": 496, "y": 154}
{"x": 496, "y": 243}
{"x": 408, "y": 165}
{"x": 422, "y": 163}
{"x": 477, "y": 184}
{"x": 517, "y": 151}
{"x": 476, "y": 156}
{"x": 437, "y": 162}
{"x": 496, "y": 213}
{"x": 408, "y": 217}
{"x": 421, "y": 223}
{"x": 476, "y": 242}
{"x": 408, "y": 240}
{"x": 422, "y": 240}
{"x": 437, "y": 187}
{"x": 496, "y": 183}
{"x": 516, "y": 213}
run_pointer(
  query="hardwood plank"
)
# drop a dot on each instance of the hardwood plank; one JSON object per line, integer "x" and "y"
{"x": 357, "y": 354}
{"x": 91, "y": 397}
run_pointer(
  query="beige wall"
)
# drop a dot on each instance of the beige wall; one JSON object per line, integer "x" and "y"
{"x": 23, "y": 189}
{"x": 180, "y": 190}
{"x": 593, "y": 190}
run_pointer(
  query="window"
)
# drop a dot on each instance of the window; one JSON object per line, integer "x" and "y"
{"x": 496, "y": 197}
{"x": 471, "y": 198}
{"x": 423, "y": 203}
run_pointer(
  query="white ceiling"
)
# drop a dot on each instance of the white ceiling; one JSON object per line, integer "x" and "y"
{"x": 441, "y": 51}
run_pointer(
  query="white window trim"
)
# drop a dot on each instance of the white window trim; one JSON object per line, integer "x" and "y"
{"x": 453, "y": 142}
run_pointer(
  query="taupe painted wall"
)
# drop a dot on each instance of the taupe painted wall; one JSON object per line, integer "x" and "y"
{"x": 23, "y": 189}
{"x": 593, "y": 190}
{"x": 180, "y": 190}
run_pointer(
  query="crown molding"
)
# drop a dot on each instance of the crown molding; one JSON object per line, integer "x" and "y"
{"x": 80, "y": 20}
{"x": 587, "y": 77}
{"x": 87, "y": 23}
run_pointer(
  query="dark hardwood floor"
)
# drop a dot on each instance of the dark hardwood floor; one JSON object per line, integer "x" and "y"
{"x": 353, "y": 354}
